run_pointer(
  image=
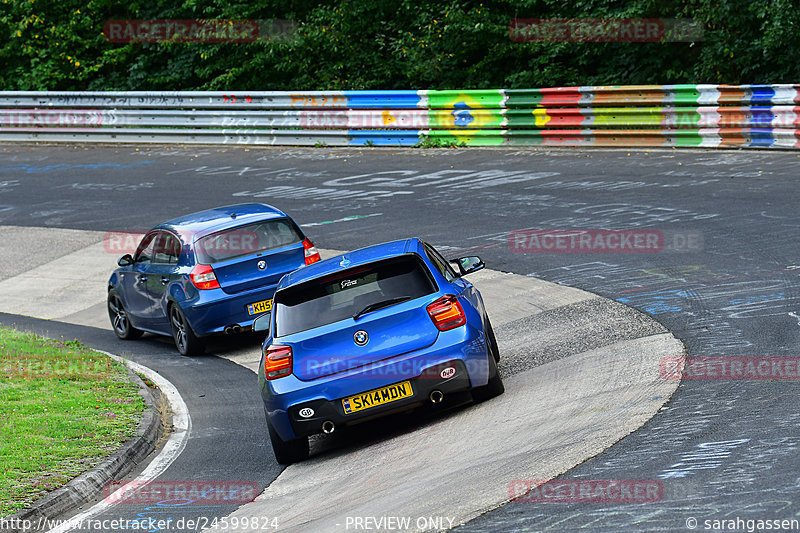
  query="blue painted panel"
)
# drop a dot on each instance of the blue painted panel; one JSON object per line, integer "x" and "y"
{"x": 762, "y": 94}
{"x": 382, "y": 99}
{"x": 383, "y": 138}
{"x": 761, "y": 116}
{"x": 761, "y": 138}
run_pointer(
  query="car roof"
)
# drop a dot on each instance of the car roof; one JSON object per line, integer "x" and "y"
{"x": 362, "y": 256}
{"x": 201, "y": 223}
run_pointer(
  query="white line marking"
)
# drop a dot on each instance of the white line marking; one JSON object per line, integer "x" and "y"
{"x": 182, "y": 425}
{"x": 345, "y": 219}
{"x": 794, "y": 315}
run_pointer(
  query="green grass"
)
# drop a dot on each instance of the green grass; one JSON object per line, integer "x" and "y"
{"x": 428, "y": 141}
{"x": 63, "y": 409}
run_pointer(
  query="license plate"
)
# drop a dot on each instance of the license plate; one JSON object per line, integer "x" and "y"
{"x": 259, "y": 307}
{"x": 374, "y": 398}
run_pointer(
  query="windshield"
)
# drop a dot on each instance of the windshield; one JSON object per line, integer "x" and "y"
{"x": 348, "y": 293}
{"x": 247, "y": 239}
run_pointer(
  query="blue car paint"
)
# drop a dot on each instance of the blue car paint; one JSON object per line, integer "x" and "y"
{"x": 465, "y": 343}
{"x": 207, "y": 311}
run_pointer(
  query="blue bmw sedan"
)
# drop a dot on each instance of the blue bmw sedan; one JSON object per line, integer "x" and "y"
{"x": 205, "y": 273}
{"x": 368, "y": 333}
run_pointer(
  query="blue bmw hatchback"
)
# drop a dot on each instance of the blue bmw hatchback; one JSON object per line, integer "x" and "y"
{"x": 205, "y": 273}
{"x": 368, "y": 333}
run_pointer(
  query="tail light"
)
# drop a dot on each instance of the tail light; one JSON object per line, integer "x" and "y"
{"x": 203, "y": 277}
{"x": 277, "y": 361}
{"x": 311, "y": 252}
{"x": 447, "y": 313}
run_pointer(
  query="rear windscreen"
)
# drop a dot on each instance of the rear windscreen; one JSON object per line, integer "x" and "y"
{"x": 245, "y": 240}
{"x": 343, "y": 295}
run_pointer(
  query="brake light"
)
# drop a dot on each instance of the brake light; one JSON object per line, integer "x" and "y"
{"x": 203, "y": 277}
{"x": 311, "y": 252}
{"x": 277, "y": 361}
{"x": 447, "y": 313}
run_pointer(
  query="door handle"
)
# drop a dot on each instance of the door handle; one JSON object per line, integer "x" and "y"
{"x": 164, "y": 281}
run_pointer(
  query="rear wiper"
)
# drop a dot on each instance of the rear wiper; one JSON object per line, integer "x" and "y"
{"x": 378, "y": 305}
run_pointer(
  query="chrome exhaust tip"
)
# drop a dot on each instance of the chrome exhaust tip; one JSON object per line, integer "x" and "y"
{"x": 328, "y": 427}
{"x": 436, "y": 396}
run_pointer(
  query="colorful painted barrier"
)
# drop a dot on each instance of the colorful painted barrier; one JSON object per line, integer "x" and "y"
{"x": 752, "y": 116}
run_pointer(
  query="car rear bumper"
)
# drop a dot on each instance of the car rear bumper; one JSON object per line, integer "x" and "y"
{"x": 463, "y": 349}
{"x": 423, "y": 386}
{"x": 214, "y": 312}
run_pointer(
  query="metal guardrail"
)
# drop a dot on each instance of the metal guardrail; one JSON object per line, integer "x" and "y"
{"x": 649, "y": 115}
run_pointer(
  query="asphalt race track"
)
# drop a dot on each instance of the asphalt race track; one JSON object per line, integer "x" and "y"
{"x": 581, "y": 373}
{"x": 725, "y": 284}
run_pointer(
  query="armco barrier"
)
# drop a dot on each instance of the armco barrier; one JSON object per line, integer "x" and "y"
{"x": 751, "y": 116}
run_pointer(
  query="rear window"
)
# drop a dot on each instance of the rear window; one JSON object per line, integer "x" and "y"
{"x": 246, "y": 240}
{"x": 340, "y": 296}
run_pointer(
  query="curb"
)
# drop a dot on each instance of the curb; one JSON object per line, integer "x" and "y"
{"x": 90, "y": 484}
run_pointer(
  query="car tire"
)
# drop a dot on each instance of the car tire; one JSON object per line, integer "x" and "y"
{"x": 492, "y": 340}
{"x": 186, "y": 341}
{"x": 288, "y": 451}
{"x": 495, "y": 386}
{"x": 120, "y": 322}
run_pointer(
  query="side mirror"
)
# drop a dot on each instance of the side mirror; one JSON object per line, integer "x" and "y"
{"x": 470, "y": 264}
{"x": 125, "y": 260}
{"x": 262, "y": 323}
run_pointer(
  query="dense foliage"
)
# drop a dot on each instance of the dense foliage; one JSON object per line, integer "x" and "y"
{"x": 380, "y": 44}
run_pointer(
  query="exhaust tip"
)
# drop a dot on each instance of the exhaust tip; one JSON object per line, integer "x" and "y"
{"x": 233, "y": 328}
{"x": 328, "y": 427}
{"x": 436, "y": 396}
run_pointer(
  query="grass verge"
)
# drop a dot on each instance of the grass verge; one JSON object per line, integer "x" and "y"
{"x": 63, "y": 409}
{"x": 429, "y": 141}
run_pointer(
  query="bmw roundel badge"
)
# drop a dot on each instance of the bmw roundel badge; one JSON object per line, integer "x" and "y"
{"x": 361, "y": 337}
{"x": 262, "y": 265}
